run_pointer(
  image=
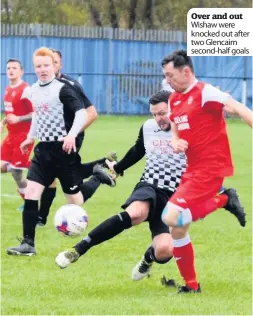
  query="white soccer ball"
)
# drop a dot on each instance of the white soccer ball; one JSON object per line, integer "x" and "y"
{"x": 71, "y": 220}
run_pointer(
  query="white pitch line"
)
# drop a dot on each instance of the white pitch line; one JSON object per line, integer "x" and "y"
{"x": 10, "y": 196}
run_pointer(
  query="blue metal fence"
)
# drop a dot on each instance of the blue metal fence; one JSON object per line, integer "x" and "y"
{"x": 119, "y": 75}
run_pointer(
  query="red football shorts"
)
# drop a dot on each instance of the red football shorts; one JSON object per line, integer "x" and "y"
{"x": 196, "y": 189}
{"x": 11, "y": 153}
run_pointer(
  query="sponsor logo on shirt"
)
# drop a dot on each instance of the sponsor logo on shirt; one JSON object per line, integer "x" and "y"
{"x": 160, "y": 146}
{"x": 42, "y": 107}
{"x": 182, "y": 122}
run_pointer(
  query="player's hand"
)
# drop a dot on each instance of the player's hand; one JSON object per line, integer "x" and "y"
{"x": 1, "y": 127}
{"x": 69, "y": 144}
{"x": 12, "y": 119}
{"x": 179, "y": 145}
{"x": 24, "y": 146}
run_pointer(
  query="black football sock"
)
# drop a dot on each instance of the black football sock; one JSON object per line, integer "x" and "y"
{"x": 150, "y": 257}
{"x": 88, "y": 188}
{"x": 105, "y": 231}
{"x": 30, "y": 217}
{"x": 87, "y": 168}
{"x": 46, "y": 201}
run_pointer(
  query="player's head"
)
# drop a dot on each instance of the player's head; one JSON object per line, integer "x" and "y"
{"x": 57, "y": 61}
{"x": 14, "y": 70}
{"x": 160, "y": 110}
{"x": 43, "y": 61}
{"x": 178, "y": 70}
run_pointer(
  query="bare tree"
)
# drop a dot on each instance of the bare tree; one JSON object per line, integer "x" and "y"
{"x": 148, "y": 14}
{"x": 132, "y": 13}
{"x": 95, "y": 14}
{"x": 113, "y": 15}
{"x": 6, "y": 8}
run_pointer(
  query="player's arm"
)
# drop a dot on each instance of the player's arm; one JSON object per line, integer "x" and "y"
{"x": 236, "y": 108}
{"x": 4, "y": 120}
{"x": 72, "y": 102}
{"x": 91, "y": 116}
{"x": 174, "y": 132}
{"x": 214, "y": 100}
{"x": 14, "y": 119}
{"x": 33, "y": 128}
{"x": 26, "y": 95}
{"x": 133, "y": 155}
{"x": 90, "y": 108}
{"x": 30, "y": 136}
{"x": 2, "y": 123}
{"x": 26, "y": 103}
{"x": 24, "y": 118}
{"x": 179, "y": 145}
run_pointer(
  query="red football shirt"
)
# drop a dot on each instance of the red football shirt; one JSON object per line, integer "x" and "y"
{"x": 199, "y": 117}
{"x": 16, "y": 102}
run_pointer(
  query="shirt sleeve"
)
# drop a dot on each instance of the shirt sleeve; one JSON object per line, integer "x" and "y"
{"x": 171, "y": 117}
{"x": 134, "y": 154}
{"x": 26, "y": 97}
{"x": 70, "y": 98}
{"x": 213, "y": 99}
{"x": 33, "y": 128}
{"x": 83, "y": 96}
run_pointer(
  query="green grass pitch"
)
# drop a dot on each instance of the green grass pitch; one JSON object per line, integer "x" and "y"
{"x": 100, "y": 282}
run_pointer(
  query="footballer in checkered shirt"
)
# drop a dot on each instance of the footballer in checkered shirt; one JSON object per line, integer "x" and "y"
{"x": 59, "y": 117}
{"x": 158, "y": 182}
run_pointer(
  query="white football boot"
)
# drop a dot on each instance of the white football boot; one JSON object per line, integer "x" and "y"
{"x": 65, "y": 258}
{"x": 141, "y": 270}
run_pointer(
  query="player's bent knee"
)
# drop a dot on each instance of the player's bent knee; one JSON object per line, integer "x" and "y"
{"x": 138, "y": 211}
{"x": 164, "y": 251}
{"x": 170, "y": 217}
{"x": 4, "y": 168}
{"x": 176, "y": 216}
{"x": 33, "y": 191}
{"x": 76, "y": 198}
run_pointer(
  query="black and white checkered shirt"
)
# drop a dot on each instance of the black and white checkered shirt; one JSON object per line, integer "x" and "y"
{"x": 55, "y": 105}
{"x": 164, "y": 168}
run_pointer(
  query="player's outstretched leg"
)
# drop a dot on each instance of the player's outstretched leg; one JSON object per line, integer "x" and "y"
{"x": 104, "y": 176}
{"x": 87, "y": 168}
{"x": 234, "y": 206}
{"x": 108, "y": 229}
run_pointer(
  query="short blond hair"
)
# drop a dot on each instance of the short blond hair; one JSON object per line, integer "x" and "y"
{"x": 44, "y": 51}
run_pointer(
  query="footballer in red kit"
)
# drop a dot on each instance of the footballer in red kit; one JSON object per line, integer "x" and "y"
{"x": 18, "y": 114}
{"x": 198, "y": 116}
{"x": 198, "y": 129}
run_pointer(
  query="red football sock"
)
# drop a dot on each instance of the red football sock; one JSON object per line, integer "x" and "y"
{"x": 184, "y": 256}
{"x": 221, "y": 200}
